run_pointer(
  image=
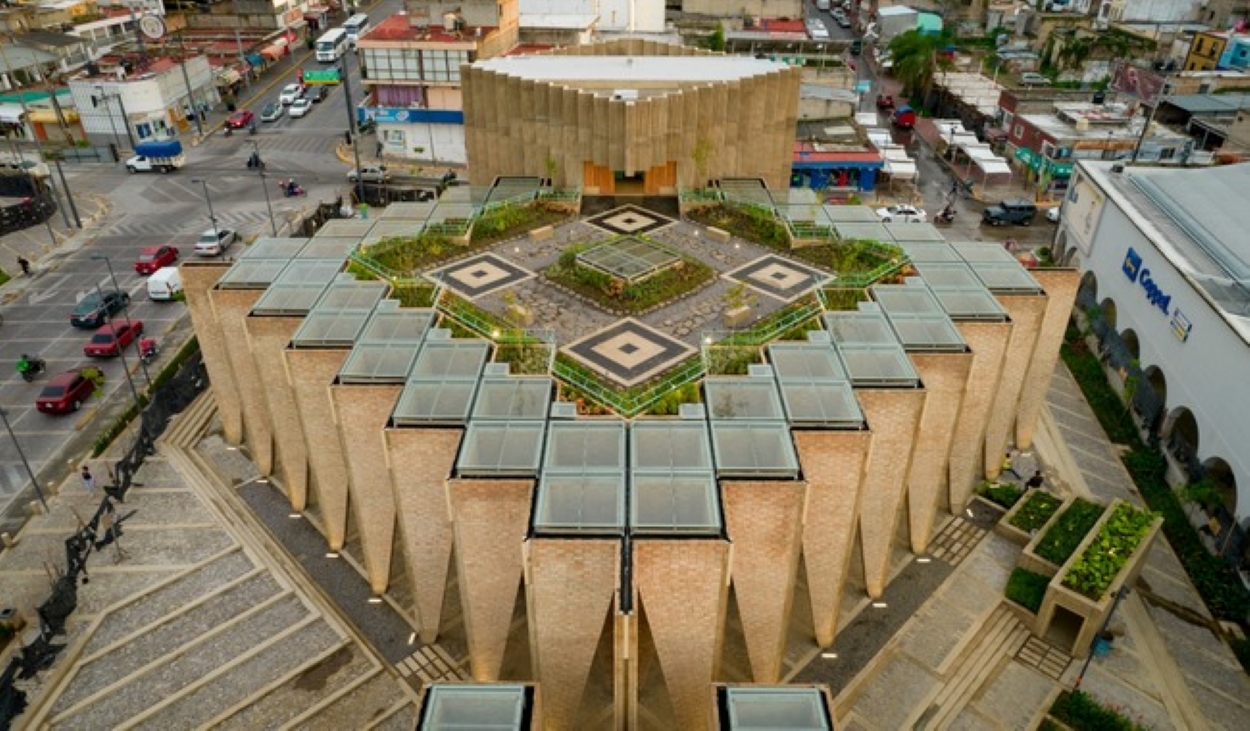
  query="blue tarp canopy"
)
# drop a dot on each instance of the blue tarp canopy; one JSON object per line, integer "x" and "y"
{"x": 170, "y": 148}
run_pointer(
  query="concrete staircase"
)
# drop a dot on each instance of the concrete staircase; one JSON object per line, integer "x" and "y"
{"x": 1003, "y": 636}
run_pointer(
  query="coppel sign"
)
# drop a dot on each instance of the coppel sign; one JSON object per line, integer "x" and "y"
{"x": 1140, "y": 275}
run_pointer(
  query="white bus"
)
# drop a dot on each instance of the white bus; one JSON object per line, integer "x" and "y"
{"x": 332, "y": 45}
{"x": 356, "y": 26}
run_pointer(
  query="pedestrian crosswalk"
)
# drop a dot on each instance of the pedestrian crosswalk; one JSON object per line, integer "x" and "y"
{"x": 245, "y": 221}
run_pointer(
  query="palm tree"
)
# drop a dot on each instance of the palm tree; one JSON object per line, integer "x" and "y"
{"x": 916, "y": 59}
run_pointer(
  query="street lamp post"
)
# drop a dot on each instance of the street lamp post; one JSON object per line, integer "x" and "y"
{"x": 265, "y": 187}
{"x": 117, "y": 140}
{"x": 121, "y": 352}
{"x": 209, "y": 199}
{"x": 22, "y": 455}
{"x": 351, "y": 130}
{"x": 125, "y": 311}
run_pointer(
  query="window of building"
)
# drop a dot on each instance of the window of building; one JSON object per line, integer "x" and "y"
{"x": 1048, "y": 150}
{"x": 1018, "y": 131}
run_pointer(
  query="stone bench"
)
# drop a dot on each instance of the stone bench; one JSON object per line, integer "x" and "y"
{"x": 542, "y": 233}
{"x": 716, "y": 234}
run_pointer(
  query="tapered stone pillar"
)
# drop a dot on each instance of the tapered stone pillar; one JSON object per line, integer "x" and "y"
{"x": 945, "y": 376}
{"x": 312, "y": 371}
{"x": 988, "y": 341}
{"x": 197, "y": 279}
{"x": 1026, "y": 318}
{"x": 232, "y": 307}
{"x": 270, "y": 337}
{"x": 1061, "y": 286}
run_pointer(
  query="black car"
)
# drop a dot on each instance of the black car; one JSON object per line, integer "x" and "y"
{"x": 93, "y": 310}
{"x": 1019, "y": 212}
{"x": 318, "y": 93}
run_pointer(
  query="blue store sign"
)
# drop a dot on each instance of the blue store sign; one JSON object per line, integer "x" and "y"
{"x": 1136, "y": 271}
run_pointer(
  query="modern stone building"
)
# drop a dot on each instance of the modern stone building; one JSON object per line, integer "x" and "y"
{"x": 606, "y": 561}
{"x": 630, "y": 115}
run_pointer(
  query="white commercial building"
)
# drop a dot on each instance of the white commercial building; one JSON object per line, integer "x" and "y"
{"x": 1166, "y": 262}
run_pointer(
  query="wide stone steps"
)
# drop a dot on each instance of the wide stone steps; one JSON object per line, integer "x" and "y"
{"x": 186, "y": 427}
{"x": 369, "y": 700}
{"x": 403, "y": 718}
{"x": 1003, "y": 636}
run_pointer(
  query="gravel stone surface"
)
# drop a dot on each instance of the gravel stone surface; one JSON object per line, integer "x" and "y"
{"x": 305, "y": 690}
{"x": 164, "y": 638}
{"x": 168, "y": 679}
{"x": 167, "y": 599}
{"x": 201, "y": 705}
{"x": 359, "y": 707}
{"x": 405, "y": 719}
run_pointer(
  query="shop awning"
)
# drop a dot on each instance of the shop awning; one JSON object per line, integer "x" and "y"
{"x": 273, "y": 53}
{"x": 255, "y": 59}
{"x": 227, "y": 77}
{"x": 11, "y": 113}
{"x": 48, "y": 116}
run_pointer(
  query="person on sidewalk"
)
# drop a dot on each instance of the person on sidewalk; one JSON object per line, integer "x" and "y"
{"x": 1008, "y": 467}
{"x": 1035, "y": 482}
{"x": 88, "y": 480}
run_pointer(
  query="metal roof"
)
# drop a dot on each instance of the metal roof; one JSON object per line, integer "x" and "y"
{"x": 626, "y": 69}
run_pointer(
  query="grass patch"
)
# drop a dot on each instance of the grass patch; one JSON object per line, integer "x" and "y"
{"x": 1004, "y": 495}
{"x": 1036, "y": 510}
{"x": 1027, "y": 588}
{"x": 510, "y": 221}
{"x": 1081, "y": 712}
{"x": 615, "y": 294}
{"x": 1067, "y": 532}
{"x": 757, "y": 225}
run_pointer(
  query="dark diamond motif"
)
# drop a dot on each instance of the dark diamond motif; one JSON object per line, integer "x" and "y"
{"x": 629, "y": 348}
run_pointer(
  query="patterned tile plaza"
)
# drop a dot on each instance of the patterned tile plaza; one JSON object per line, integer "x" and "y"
{"x": 480, "y": 275}
{"x": 778, "y": 277}
{"x": 630, "y": 220}
{"x": 628, "y": 351}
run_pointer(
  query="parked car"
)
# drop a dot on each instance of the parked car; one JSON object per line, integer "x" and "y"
{"x": 64, "y": 392}
{"x": 155, "y": 257}
{"x": 241, "y": 119}
{"x": 1019, "y": 212}
{"x": 885, "y": 102}
{"x": 902, "y": 214}
{"x": 272, "y": 112}
{"x": 110, "y": 338}
{"x": 319, "y": 93}
{"x": 817, "y": 30}
{"x": 290, "y": 93}
{"x": 370, "y": 174}
{"x": 904, "y": 117}
{"x": 1052, "y": 214}
{"x": 302, "y": 106}
{"x": 1033, "y": 78}
{"x": 92, "y": 310}
{"x": 214, "y": 241}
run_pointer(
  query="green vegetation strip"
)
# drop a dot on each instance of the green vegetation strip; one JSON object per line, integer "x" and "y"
{"x": 1036, "y": 510}
{"x": 1027, "y": 588}
{"x": 120, "y": 423}
{"x": 1082, "y": 713}
{"x": 1066, "y": 533}
{"x": 1103, "y": 559}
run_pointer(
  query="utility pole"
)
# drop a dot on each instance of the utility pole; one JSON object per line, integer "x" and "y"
{"x": 351, "y": 130}
{"x": 186, "y": 79}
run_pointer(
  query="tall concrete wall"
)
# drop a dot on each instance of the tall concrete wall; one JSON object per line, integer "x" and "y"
{"x": 312, "y": 372}
{"x": 945, "y": 376}
{"x": 988, "y": 342}
{"x": 833, "y": 463}
{"x": 765, "y": 524}
{"x": 232, "y": 307}
{"x": 893, "y": 416}
{"x": 197, "y": 279}
{"x": 269, "y": 337}
{"x": 363, "y": 412}
{"x": 570, "y": 588}
{"x": 490, "y": 519}
{"x": 1060, "y": 286}
{"x": 1026, "y": 318}
{"x": 684, "y": 589}
{"x": 421, "y": 461}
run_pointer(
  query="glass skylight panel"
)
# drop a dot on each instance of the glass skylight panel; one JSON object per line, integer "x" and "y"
{"x": 290, "y": 300}
{"x": 330, "y": 329}
{"x": 674, "y": 504}
{"x": 513, "y": 398}
{"x": 268, "y": 247}
{"x": 310, "y": 271}
{"x": 580, "y": 504}
{"x": 946, "y": 276}
{"x": 1006, "y": 277}
{"x": 927, "y": 332}
{"x": 970, "y": 304}
{"x": 378, "y": 363}
{"x": 850, "y": 214}
{"x": 409, "y": 211}
{"x": 776, "y": 709}
{"x": 873, "y": 231}
{"x": 580, "y": 446}
{"x": 904, "y": 231}
{"x": 344, "y": 227}
{"x": 877, "y": 365}
{"x": 862, "y": 326}
{"x": 753, "y": 449}
{"x": 391, "y": 229}
{"x": 348, "y": 293}
{"x": 501, "y": 448}
{"x": 800, "y": 360}
{"x": 451, "y": 360}
{"x": 821, "y": 403}
{"x": 329, "y": 247}
{"x": 670, "y": 446}
{"x": 435, "y": 401}
{"x": 474, "y": 707}
{"x": 252, "y": 274}
{"x": 742, "y": 398}
{"x": 392, "y": 324}
{"x": 929, "y": 251}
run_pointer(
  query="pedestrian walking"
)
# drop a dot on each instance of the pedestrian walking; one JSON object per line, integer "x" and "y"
{"x": 1008, "y": 467}
{"x": 88, "y": 480}
{"x": 1035, "y": 481}
{"x": 380, "y": 148}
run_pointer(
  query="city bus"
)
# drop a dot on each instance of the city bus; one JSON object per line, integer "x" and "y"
{"x": 356, "y": 26}
{"x": 332, "y": 45}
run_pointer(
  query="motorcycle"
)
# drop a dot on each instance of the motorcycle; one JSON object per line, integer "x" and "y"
{"x": 30, "y": 367}
{"x": 946, "y": 215}
{"x": 254, "y": 161}
{"x": 293, "y": 190}
{"x": 148, "y": 350}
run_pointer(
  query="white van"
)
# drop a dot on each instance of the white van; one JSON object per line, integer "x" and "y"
{"x": 164, "y": 283}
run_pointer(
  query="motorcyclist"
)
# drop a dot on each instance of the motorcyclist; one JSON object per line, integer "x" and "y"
{"x": 24, "y": 364}
{"x": 292, "y": 188}
{"x": 24, "y": 263}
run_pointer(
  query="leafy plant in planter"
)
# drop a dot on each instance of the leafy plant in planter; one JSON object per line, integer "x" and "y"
{"x": 1004, "y": 495}
{"x": 1027, "y": 588}
{"x": 1037, "y": 509}
{"x": 1102, "y": 560}
{"x": 1067, "y": 532}
{"x": 1080, "y": 712}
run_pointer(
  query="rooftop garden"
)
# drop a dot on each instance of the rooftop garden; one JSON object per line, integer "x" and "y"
{"x": 1064, "y": 535}
{"x": 1117, "y": 539}
{"x": 616, "y": 294}
{"x": 1037, "y": 509}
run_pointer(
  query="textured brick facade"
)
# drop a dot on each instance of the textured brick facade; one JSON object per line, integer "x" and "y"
{"x": 988, "y": 342}
{"x": 684, "y": 589}
{"x": 945, "y": 376}
{"x": 490, "y": 520}
{"x": 197, "y": 279}
{"x": 312, "y": 372}
{"x": 833, "y": 463}
{"x": 765, "y": 524}
{"x": 232, "y": 307}
{"x": 363, "y": 412}
{"x": 1026, "y": 319}
{"x": 421, "y": 461}
{"x": 893, "y": 417}
{"x": 270, "y": 336}
{"x": 1061, "y": 286}
{"x": 570, "y": 588}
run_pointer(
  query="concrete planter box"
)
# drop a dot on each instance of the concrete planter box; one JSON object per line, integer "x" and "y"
{"x": 738, "y": 316}
{"x": 1016, "y": 535}
{"x": 1028, "y": 557}
{"x": 1092, "y": 613}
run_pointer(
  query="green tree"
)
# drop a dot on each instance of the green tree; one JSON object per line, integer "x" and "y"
{"x": 716, "y": 41}
{"x": 916, "y": 59}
